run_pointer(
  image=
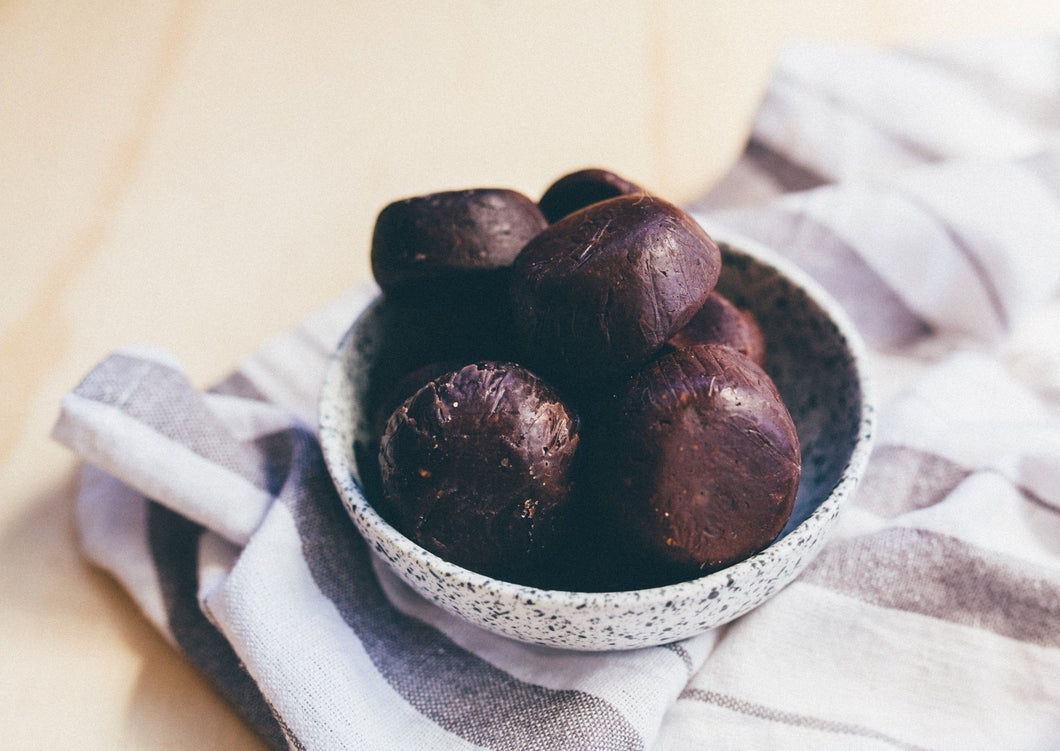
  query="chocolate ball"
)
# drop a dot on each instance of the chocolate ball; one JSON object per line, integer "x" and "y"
{"x": 721, "y": 322}
{"x": 598, "y": 292}
{"x": 405, "y": 386}
{"x": 408, "y": 341}
{"x": 582, "y": 188}
{"x": 451, "y": 244}
{"x": 700, "y": 465}
{"x": 477, "y": 466}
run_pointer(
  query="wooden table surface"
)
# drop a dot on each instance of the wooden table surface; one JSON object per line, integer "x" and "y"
{"x": 202, "y": 175}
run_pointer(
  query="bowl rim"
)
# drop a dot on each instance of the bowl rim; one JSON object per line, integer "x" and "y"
{"x": 337, "y": 458}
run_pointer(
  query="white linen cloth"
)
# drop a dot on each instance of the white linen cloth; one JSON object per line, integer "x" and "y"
{"x": 921, "y": 186}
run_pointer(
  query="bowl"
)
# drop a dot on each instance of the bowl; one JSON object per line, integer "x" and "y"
{"x": 816, "y": 359}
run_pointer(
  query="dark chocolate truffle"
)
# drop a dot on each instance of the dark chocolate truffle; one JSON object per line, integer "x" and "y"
{"x": 721, "y": 322}
{"x": 477, "y": 466}
{"x": 453, "y": 243}
{"x": 406, "y": 386}
{"x": 598, "y": 292}
{"x": 404, "y": 336}
{"x": 701, "y": 464}
{"x": 580, "y": 189}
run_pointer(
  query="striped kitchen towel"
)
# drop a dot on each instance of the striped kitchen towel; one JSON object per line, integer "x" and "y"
{"x": 921, "y": 186}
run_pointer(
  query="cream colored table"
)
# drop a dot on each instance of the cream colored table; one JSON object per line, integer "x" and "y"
{"x": 202, "y": 175}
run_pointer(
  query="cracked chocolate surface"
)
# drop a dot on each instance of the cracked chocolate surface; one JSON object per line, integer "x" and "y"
{"x": 700, "y": 464}
{"x": 451, "y": 243}
{"x": 477, "y": 466}
{"x": 598, "y": 292}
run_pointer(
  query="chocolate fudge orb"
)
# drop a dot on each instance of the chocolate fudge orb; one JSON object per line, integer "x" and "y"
{"x": 582, "y": 188}
{"x": 477, "y": 466}
{"x": 703, "y": 462}
{"x": 402, "y": 338}
{"x": 451, "y": 243}
{"x": 599, "y": 291}
{"x": 721, "y": 322}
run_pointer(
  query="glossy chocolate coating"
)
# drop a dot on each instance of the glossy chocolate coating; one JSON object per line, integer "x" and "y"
{"x": 451, "y": 244}
{"x": 701, "y": 464}
{"x": 721, "y": 322}
{"x": 582, "y": 188}
{"x": 477, "y": 466}
{"x": 598, "y": 292}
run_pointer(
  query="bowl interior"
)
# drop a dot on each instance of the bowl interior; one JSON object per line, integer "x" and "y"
{"x": 813, "y": 355}
{"x": 810, "y": 359}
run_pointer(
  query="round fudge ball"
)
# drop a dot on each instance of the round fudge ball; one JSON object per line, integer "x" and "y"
{"x": 404, "y": 387}
{"x": 406, "y": 340}
{"x": 721, "y": 322}
{"x": 580, "y": 189}
{"x": 702, "y": 463}
{"x": 451, "y": 244}
{"x": 477, "y": 465}
{"x": 601, "y": 290}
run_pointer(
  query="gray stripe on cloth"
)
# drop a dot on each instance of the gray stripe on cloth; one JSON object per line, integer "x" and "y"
{"x": 459, "y": 691}
{"x": 174, "y": 542}
{"x": 161, "y": 398}
{"x": 761, "y": 174}
{"x": 743, "y": 186}
{"x": 935, "y": 575}
{"x": 788, "y": 175}
{"x": 237, "y": 384}
{"x": 682, "y": 653}
{"x": 771, "y": 714}
{"x": 900, "y": 479}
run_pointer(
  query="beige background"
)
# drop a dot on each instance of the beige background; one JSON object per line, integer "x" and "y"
{"x": 201, "y": 175}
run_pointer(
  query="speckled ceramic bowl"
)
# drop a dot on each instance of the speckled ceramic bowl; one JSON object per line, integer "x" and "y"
{"x": 814, "y": 356}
